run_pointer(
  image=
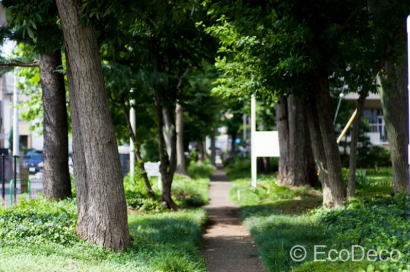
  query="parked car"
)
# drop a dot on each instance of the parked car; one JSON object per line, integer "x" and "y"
{"x": 33, "y": 161}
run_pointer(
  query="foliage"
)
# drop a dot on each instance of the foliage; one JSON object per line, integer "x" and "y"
{"x": 40, "y": 235}
{"x": 145, "y": 205}
{"x": 268, "y": 190}
{"x": 375, "y": 156}
{"x": 197, "y": 170}
{"x": 36, "y": 221}
{"x": 377, "y": 223}
{"x": 187, "y": 192}
{"x": 236, "y": 167}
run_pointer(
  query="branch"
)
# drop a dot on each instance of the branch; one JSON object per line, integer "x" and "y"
{"x": 19, "y": 64}
{"x": 184, "y": 75}
{"x": 341, "y": 29}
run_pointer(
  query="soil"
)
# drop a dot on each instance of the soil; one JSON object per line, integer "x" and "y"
{"x": 228, "y": 247}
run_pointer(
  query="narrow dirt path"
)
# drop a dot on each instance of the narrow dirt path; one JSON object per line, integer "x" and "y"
{"x": 227, "y": 246}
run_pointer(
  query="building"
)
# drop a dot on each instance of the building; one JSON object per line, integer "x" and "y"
{"x": 373, "y": 113}
{"x": 28, "y": 139}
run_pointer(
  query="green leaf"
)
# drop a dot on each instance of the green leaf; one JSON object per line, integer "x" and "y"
{"x": 30, "y": 33}
{"x": 33, "y": 24}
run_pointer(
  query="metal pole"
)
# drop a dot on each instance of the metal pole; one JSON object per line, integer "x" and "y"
{"x": 11, "y": 192}
{"x": 15, "y": 179}
{"x": 16, "y": 137}
{"x": 253, "y": 130}
{"x": 338, "y": 105}
{"x": 408, "y": 87}
{"x": 3, "y": 181}
{"x": 132, "y": 144}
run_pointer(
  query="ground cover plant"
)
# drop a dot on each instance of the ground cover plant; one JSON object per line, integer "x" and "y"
{"x": 40, "y": 235}
{"x": 280, "y": 217}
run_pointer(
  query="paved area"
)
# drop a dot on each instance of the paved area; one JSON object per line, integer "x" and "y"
{"x": 227, "y": 246}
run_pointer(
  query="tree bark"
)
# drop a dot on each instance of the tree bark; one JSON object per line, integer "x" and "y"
{"x": 302, "y": 169}
{"x": 266, "y": 165}
{"x": 394, "y": 99}
{"x": 167, "y": 134}
{"x": 102, "y": 217}
{"x": 166, "y": 174}
{"x": 201, "y": 153}
{"x": 282, "y": 125}
{"x": 56, "y": 176}
{"x": 324, "y": 144}
{"x": 181, "y": 166}
{"x": 213, "y": 150}
{"x": 296, "y": 164}
{"x": 353, "y": 145}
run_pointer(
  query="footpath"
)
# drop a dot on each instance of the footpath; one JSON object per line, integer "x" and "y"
{"x": 227, "y": 246}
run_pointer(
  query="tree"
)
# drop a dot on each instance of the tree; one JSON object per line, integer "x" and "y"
{"x": 56, "y": 177}
{"x": 102, "y": 210}
{"x": 34, "y": 25}
{"x": 296, "y": 164}
{"x": 295, "y": 48}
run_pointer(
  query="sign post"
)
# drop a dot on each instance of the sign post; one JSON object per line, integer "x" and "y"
{"x": 263, "y": 143}
{"x": 152, "y": 169}
{"x": 408, "y": 87}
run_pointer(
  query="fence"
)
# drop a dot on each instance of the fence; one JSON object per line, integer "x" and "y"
{"x": 378, "y": 134}
{"x": 20, "y": 175}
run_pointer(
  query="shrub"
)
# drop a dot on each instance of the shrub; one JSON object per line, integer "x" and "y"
{"x": 377, "y": 223}
{"x": 146, "y": 205}
{"x": 36, "y": 221}
{"x": 200, "y": 170}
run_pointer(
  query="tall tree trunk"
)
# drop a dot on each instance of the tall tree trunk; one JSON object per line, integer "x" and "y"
{"x": 324, "y": 143}
{"x": 179, "y": 113}
{"x": 56, "y": 176}
{"x": 266, "y": 165}
{"x": 166, "y": 174}
{"x": 394, "y": 99}
{"x": 301, "y": 164}
{"x": 353, "y": 145}
{"x": 167, "y": 133}
{"x": 206, "y": 155}
{"x": 137, "y": 152}
{"x": 213, "y": 150}
{"x": 201, "y": 155}
{"x": 282, "y": 125}
{"x": 102, "y": 217}
{"x": 296, "y": 164}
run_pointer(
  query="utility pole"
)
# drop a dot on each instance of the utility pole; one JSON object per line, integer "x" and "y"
{"x": 132, "y": 144}
{"x": 16, "y": 137}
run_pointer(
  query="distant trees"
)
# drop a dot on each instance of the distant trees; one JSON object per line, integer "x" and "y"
{"x": 298, "y": 48}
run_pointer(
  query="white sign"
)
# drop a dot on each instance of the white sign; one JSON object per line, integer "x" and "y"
{"x": 266, "y": 144}
{"x": 263, "y": 143}
{"x": 152, "y": 169}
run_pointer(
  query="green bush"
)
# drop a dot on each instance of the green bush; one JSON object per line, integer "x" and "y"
{"x": 146, "y": 205}
{"x": 377, "y": 223}
{"x": 200, "y": 170}
{"x": 190, "y": 193}
{"x": 375, "y": 157}
{"x": 36, "y": 221}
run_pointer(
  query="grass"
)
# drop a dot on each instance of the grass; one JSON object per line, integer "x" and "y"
{"x": 280, "y": 217}
{"x": 40, "y": 236}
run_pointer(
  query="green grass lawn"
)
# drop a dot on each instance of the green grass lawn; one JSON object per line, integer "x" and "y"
{"x": 40, "y": 236}
{"x": 280, "y": 218}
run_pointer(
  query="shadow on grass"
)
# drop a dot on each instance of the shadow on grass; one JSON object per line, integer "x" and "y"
{"x": 169, "y": 241}
{"x": 279, "y": 226}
